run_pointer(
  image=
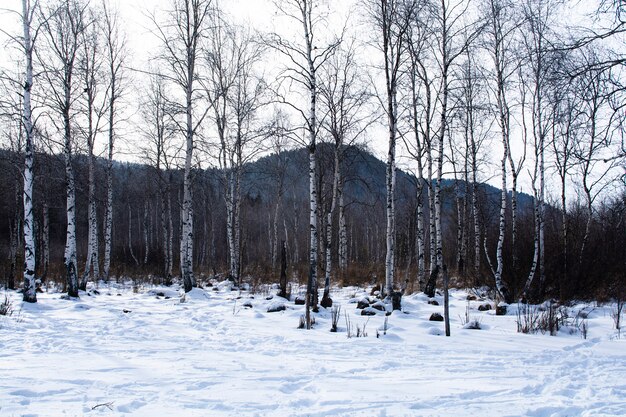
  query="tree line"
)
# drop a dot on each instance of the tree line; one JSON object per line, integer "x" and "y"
{"x": 220, "y": 111}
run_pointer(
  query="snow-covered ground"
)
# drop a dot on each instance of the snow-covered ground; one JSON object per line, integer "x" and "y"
{"x": 125, "y": 353}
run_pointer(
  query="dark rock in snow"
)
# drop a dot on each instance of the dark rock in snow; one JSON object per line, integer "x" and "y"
{"x": 363, "y": 303}
{"x": 127, "y": 311}
{"x": 501, "y": 310}
{"x": 484, "y": 307}
{"x": 471, "y": 297}
{"x": 299, "y": 301}
{"x": 326, "y": 302}
{"x": 433, "y": 302}
{"x": 436, "y": 317}
{"x": 247, "y": 304}
{"x": 369, "y": 311}
{"x": 379, "y": 305}
{"x": 275, "y": 307}
{"x": 160, "y": 294}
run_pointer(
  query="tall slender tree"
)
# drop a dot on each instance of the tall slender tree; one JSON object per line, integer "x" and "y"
{"x": 28, "y": 44}
{"x": 64, "y": 29}
{"x": 392, "y": 19}
{"x": 307, "y": 57}
{"x": 539, "y": 19}
{"x": 182, "y": 35}
{"x": 234, "y": 93}
{"x": 94, "y": 107}
{"x": 115, "y": 51}
{"x": 344, "y": 99}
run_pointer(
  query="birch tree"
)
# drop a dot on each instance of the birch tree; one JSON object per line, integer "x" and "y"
{"x": 161, "y": 150}
{"x": 94, "y": 107}
{"x": 234, "y": 94}
{"x": 499, "y": 32}
{"x": 565, "y": 135}
{"x": 391, "y": 19}
{"x": 422, "y": 90}
{"x": 539, "y": 19}
{"x": 503, "y": 22}
{"x": 63, "y": 32}
{"x": 27, "y": 44}
{"x": 182, "y": 35}
{"x": 344, "y": 99}
{"x": 454, "y": 34}
{"x": 115, "y": 51}
{"x": 306, "y": 57}
{"x": 477, "y": 125}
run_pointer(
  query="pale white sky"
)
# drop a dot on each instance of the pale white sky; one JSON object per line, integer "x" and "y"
{"x": 262, "y": 15}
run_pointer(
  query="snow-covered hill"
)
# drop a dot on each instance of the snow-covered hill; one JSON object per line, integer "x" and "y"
{"x": 120, "y": 352}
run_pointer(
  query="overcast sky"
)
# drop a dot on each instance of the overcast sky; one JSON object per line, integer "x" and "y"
{"x": 262, "y": 15}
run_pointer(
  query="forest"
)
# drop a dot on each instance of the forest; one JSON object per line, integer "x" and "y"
{"x": 254, "y": 156}
{"x": 297, "y": 208}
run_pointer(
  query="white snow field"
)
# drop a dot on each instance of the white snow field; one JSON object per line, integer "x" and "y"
{"x": 120, "y": 353}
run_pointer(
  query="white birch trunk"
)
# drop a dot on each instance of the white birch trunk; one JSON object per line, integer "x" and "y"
{"x": 275, "y": 243}
{"x": 45, "y": 242}
{"x": 432, "y": 227}
{"x": 237, "y": 224}
{"x": 419, "y": 238}
{"x": 311, "y": 299}
{"x": 502, "y": 289}
{"x": 89, "y": 73}
{"x": 326, "y": 301}
{"x": 187, "y": 228}
{"x": 91, "y": 265}
{"x": 343, "y": 232}
{"x": 542, "y": 272}
{"x": 70, "y": 237}
{"x": 296, "y": 228}
{"x": 441, "y": 139}
{"x": 170, "y": 239}
{"x": 391, "y": 186}
{"x": 421, "y": 267}
{"x": 533, "y": 267}
{"x": 459, "y": 234}
{"x": 475, "y": 213}
{"x": 230, "y": 235}
{"x": 115, "y": 55}
{"x": 108, "y": 220}
{"x": 30, "y": 294}
{"x": 312, "y": 231}
{"x": 504, "y": 130}
{"x": 514, "y": 259}
{"x": 145, "y": 232}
